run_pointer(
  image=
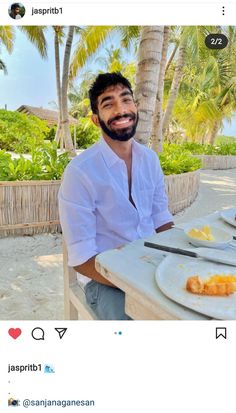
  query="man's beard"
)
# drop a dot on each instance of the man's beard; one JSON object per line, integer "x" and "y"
{"x": 123, "y": 134}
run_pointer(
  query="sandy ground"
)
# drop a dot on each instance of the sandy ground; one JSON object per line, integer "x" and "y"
{"x": 217, "y": 191}
{"x": 31, "y": 273}
{"x": 31, "y": 278}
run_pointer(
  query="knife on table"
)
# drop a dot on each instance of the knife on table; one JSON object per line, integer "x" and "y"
{"x": 209, "y": 254}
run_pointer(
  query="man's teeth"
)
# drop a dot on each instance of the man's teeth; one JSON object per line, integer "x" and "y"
{"x": 120, "y": 122}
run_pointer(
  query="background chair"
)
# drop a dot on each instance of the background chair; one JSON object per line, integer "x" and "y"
{"x": 76, "y": 307}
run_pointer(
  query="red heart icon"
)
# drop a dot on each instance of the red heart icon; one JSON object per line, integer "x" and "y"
{"x": 14, "y": 332}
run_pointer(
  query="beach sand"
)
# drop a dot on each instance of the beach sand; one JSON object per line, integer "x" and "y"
{"x": 31, "y": 270}
{"x": 31, "y": 278}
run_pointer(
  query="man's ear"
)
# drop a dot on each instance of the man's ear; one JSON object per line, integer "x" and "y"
{"x": 95, "y": 120}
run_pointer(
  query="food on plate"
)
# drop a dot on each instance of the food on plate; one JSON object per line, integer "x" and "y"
{"x": 218, "y": 285}
{"x": 195, "y": 285}
{"x": 203, "y": 233}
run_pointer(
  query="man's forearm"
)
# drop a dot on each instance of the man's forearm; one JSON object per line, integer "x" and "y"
{"x": 88, "y": 269}
{"x": 165, "y": 227}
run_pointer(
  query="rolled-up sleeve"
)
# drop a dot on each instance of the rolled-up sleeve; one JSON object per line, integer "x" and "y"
{"x": 160, "y": 212}
{"x": 77, "y": 216}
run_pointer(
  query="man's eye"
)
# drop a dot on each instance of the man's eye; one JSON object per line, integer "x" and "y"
{"x": 127, "y": 100}
{"x": 108, "y": 105}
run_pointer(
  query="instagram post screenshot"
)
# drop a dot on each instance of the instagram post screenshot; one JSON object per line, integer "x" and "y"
{"x": 117, "y": 206}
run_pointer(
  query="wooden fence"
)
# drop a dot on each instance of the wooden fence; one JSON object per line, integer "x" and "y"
{"x": 217, "y": 161}
{"x": 31, "y": 207}
{"x": 182, "y": 190}
{"x": 28, "y": 207}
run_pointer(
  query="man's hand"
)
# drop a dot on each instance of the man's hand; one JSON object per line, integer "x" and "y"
{"x": 88, "y": 269}
{"x": 165, "y": 227}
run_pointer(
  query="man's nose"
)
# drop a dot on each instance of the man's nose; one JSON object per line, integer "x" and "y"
{"x": 120, "y": 108}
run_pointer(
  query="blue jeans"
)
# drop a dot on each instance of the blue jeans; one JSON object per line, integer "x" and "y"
{"x": 108, "y": 303}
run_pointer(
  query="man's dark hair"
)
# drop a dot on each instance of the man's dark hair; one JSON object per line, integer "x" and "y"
{"x": 15, "y": 6}
{"x": 102, "y": 82}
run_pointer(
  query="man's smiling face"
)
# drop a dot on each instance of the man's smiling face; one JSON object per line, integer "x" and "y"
{"x": 117, "y": 113}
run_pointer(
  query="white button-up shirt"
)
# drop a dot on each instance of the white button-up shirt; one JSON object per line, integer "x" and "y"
{"x": 95, "y": 211}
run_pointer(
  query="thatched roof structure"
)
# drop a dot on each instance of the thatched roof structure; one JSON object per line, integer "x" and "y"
{"x": 50, "y": 116}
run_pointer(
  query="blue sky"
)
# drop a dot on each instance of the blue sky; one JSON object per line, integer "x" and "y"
{"x": 31, "y": 80}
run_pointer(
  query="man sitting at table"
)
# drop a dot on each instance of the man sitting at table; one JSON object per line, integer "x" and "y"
{"x": 112, "y": 193}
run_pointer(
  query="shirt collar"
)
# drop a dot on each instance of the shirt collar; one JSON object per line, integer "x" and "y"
{"x": 108, "y": 154}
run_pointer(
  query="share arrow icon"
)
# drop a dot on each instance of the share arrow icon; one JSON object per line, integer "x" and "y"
{"x": 61, "y": 331}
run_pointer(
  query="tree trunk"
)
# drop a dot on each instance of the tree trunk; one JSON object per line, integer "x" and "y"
{"x": 171, "y": 57}
{"x": 149, "y": 58}
{"x": 64, "y": 99}
{"x": 58, "y": 83}
{"x": 156, "y": 138}
{"x": 175, "y": 85}
{"x": 214, "y": 132}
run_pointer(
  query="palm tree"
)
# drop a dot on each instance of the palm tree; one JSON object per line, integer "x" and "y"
{"x": 175, "y": 84}
{"x": 191, "y": 44}
{"x": 148, "y": 69}
{"x": 207, "y": 92}
{"x": 156, "y": 137}
{"x": 36, "y": 35}
{"x": 58, "y": 35}
{"x": 64, "y": 89}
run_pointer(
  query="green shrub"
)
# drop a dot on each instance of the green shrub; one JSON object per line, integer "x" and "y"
{"x": 19, "y": 132}
{"x": 225, "y": 149}
{"x": 86, "y": 133}
{"x": 222, "y": 149}
{"x": 224, "y": 139}
{"x": 175, "y": 160}
{"x": 46, "y": 164}
{"x": 194, "y": 148}
{"x": 51, "y": 134}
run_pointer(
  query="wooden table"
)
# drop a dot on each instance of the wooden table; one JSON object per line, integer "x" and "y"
{"x": 132, "y": 269}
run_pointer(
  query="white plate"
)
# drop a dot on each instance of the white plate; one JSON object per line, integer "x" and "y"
{"x": 221, "y": 237}
{"x": 172, "y": 274}
{"x": 229, "y": 216}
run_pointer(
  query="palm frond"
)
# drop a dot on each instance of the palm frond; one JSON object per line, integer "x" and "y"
{"x": 91, "y": 39}
{"x": 7, "y": 37}
{"x": 207, "y": 111}
{"x": 195, "y": 39}
{"x": 36, "y": 35}
{"x": 3, "y": 67}
{"x": 129, "y": 36}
